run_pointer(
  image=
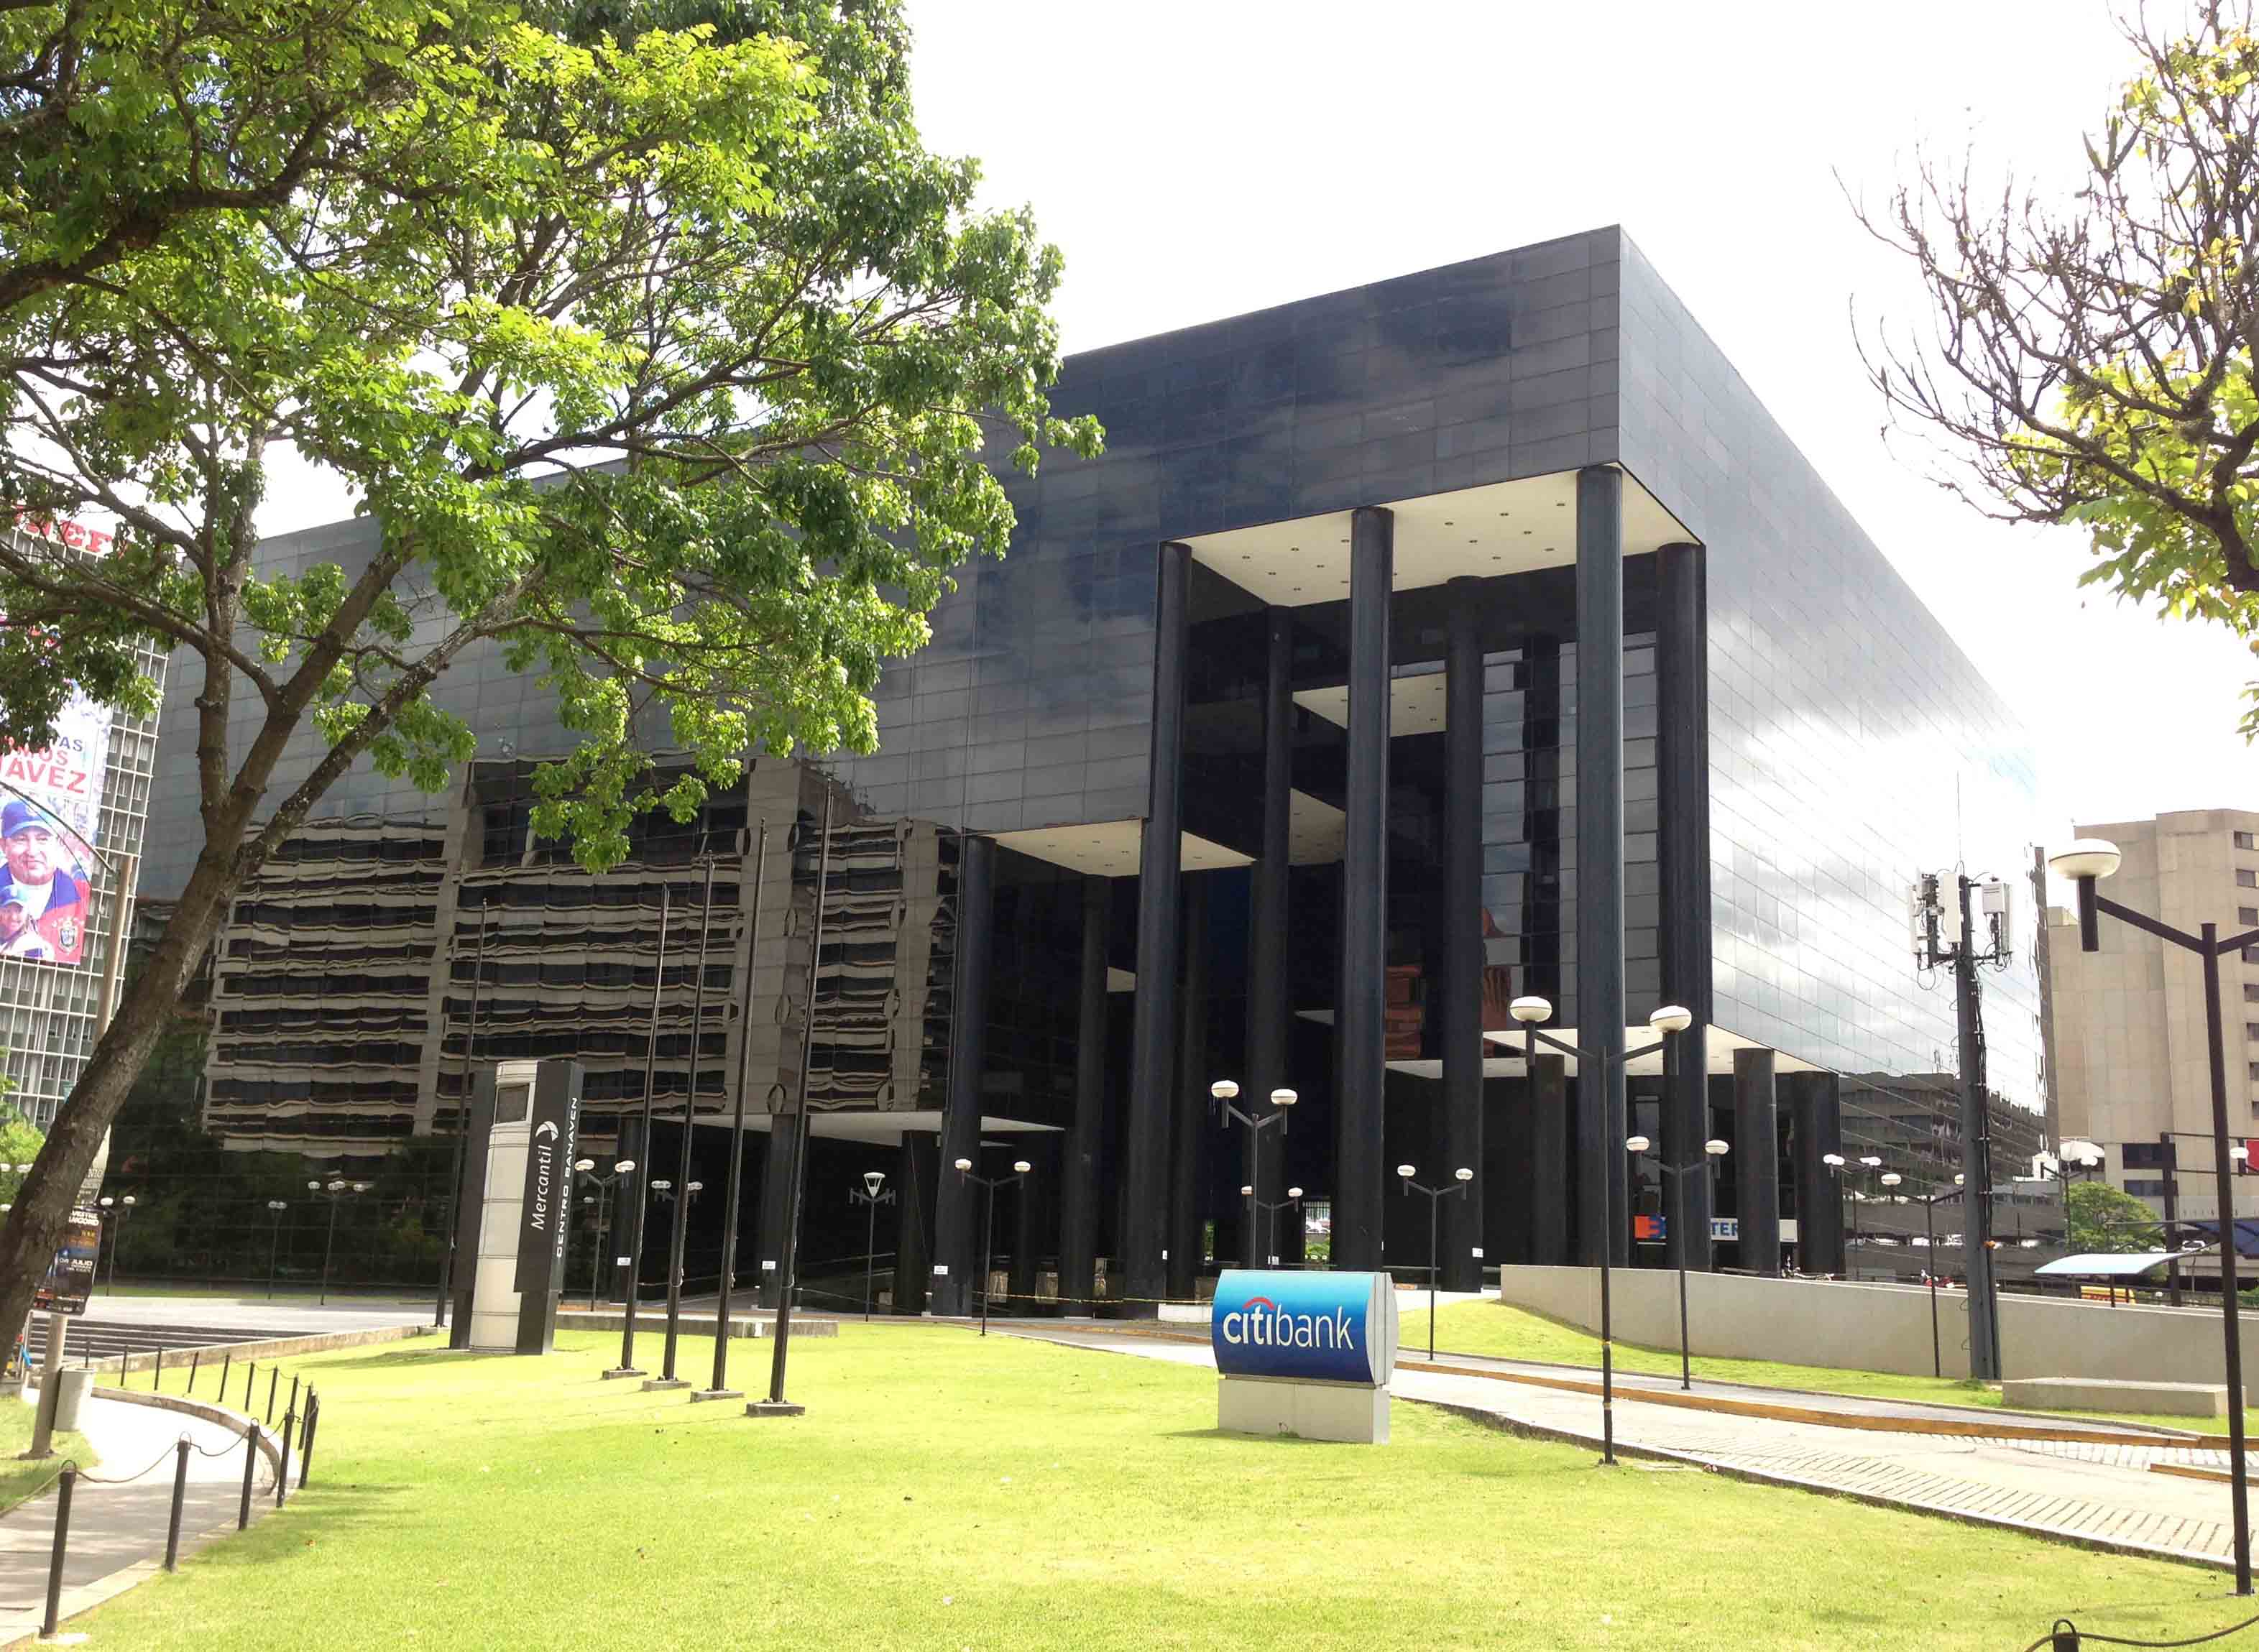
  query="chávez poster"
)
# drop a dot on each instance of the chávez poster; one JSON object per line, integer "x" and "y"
{"x": 50, "y": 811}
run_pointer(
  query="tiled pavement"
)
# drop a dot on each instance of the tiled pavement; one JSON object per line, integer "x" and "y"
{"x": 2097, "y": 1493}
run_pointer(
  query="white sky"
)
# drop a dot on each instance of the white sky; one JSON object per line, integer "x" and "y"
{"x": 1196, "y": 160}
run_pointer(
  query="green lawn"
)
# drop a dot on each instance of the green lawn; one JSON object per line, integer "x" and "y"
{"x": 944, "y": 1491}
{"x": 1495, "y": 1327}
{"x": 19, "y": 1479}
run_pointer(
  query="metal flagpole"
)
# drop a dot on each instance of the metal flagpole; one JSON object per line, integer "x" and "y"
{"x": 627, "y": 1366}
{"x": 462, "y": 1129}
{"x": 678, "y": 1239}
{"x": 721, "y": 1390}
{"x": 776, "y": 1405}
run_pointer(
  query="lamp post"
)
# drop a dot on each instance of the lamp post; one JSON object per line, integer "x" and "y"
{"x": 1460, "y": 1178}
{"x": 1929, "y": 1203}
{"x": 1020, "y": 1168}
{"x": 274, "y": 1208}
{"x": 337, "y": 1191}
{"x": 1268, "y": 1209}
{"x": 587, "y": 1167}
{"x": 868, "y": 1193}
{"x": 2085, "y": 862}
{"x": 121, "y": 1208}
{"x": 1713, "y": 1148}
{"x": 1671, "y": 1019}
{"x": 1226, "y": 1090}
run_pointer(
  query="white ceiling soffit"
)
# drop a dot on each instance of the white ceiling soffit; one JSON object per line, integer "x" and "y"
{"x": 1721, "y": 1046}
{"x": 1112, "y": 849}
{"x": 1416, "y": 704}
{"x": 1315, "y": 831}
{"x": 1500, "y": 528}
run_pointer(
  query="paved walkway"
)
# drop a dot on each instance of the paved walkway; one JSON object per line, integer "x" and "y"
{"x": 2103, "y": 1493}
{"x": 117, "y": 1531}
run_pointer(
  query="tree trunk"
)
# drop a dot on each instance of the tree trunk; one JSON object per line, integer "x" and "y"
{"x": 35, "y": 1226}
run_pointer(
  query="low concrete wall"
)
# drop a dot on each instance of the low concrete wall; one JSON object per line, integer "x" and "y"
{"x": 210, "y": 1354}
{"x": 235, "y": 1422}
{"x": 691, "y": 1324}
{"x": 1884, "y": 1327}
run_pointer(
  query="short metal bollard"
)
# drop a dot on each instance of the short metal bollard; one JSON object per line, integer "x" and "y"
{"x": 250, "y": 1466}
{"x": 64, "y": 1486}
{"x": 274, "y": 1377}
{"x": 250, "y": 1381}
{"x": 283, "y": 1475}
{"x": 293, "y": 1405}
{"x": 180, "y": 1491}
{"x": 157, "y": 1376}
{"x": 195, "y": 1358}
{"x": 226, "y": 1364}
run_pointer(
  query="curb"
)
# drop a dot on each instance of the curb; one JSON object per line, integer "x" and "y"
{"x": 234, "y": 1422}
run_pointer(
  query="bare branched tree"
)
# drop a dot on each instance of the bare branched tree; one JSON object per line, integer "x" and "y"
{"x": 2088, "y": 359}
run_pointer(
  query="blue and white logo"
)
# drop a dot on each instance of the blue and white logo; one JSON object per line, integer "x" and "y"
{"x": 1333, "y": 1327}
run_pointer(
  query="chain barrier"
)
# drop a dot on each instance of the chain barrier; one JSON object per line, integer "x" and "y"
{"x": 2067, "y": 1636}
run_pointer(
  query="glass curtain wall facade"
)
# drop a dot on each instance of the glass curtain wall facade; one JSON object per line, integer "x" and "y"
{"x": 1410, "y": 648}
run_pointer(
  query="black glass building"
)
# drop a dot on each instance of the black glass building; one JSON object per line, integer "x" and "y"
{"x": 1410, "y": 649}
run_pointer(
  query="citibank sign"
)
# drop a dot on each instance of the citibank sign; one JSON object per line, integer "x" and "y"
{"x": 1337, "y": 1327}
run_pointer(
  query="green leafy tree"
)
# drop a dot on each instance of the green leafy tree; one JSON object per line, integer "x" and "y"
{"x": 20, "y": 1142}
{"x": 2100, "y": 1217}
{"x": 669, "y": 361}
{"x": 2090, "y": 362}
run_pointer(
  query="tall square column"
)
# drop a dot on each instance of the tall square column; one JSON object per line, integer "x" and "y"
{"x": 1757, "y": 1160}
{"x": 1548, "y": 1161}
{"x": 1599, "y": 866}
{"x": 957, "y": 1203}
{"x": 916, "y": 1180}
{"x": 1152, "y": 1035}
{"x": 1079, "y": 1164}
{"x": 1190, "y": 1119}
{"x": 1682, "y": 668}
{"x": 1463, "y": 934}
{"x": 1267, "y": 1007}
{"x": 1816, "y": 1100}
{"x": 1360, "y": 1151}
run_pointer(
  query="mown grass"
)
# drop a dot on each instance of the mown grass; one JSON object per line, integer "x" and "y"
{"x": 1498, "y": 1329}
{"x": 20, "y": 1480}
{"x": 947, "y": 1492}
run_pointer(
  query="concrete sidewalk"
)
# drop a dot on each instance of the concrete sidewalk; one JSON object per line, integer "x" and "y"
{"x": 2101, "y": 1493}
{"x": 118, "y": 1530}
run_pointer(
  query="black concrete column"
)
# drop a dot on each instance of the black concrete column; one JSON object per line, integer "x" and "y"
{"x": 1034, "y": 1198}
{"x": 1682, "y": 668}
{"x": 915, "y": 1184}
{"x": 1360, "y": 1153}
{"x": 1152, "y": 1034}
{"x": 1817, "y": 1099}
{"x": 1599, "y": 866}
{"x": 776, "y": 1208}
{"x": 1757, "y": 1160}
{"x": 1263, "y": 1161}
{"x": 1079, "y": 1164}
{"x": 1549, "y": 1160}
{"x": 1188, "y": 1121}
{"x": 1463, "y": 933}
{"x": 958, "y": 1203}
{"x": 632, "y": 1186}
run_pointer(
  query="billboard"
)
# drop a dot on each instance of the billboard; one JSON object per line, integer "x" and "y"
{"x": 1326, "y": 1328}
{"x": 50, "y": 811}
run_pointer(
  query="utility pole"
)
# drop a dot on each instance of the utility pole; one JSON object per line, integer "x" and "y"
{"x": 1964, "y": 954}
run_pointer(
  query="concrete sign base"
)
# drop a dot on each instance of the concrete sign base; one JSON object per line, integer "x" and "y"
{"x": 1350, "y": 1412}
